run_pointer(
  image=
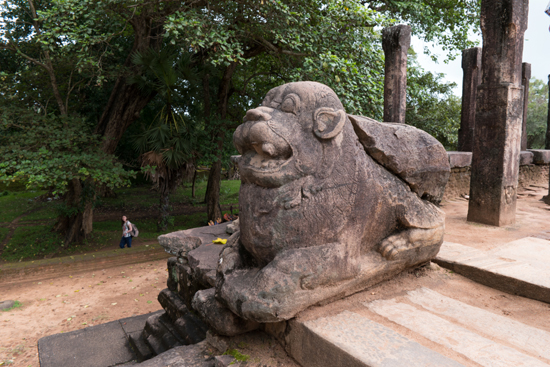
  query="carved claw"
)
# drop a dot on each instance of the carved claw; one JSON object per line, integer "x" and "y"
{"x": 391, "y": 246}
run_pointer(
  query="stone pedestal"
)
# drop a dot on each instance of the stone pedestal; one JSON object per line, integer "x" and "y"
{"x": 396, "y": 41}
{"x": 499, "y": 112}
{"x": 471, "y": 66}
{"x": 525, "y": 77}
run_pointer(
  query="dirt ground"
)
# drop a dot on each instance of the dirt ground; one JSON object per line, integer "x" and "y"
{"x": 532, "y": 219}
{"x": 95, "y": 296}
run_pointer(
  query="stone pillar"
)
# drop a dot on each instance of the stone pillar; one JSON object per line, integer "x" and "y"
{"x": 471, "y": 66}
{"x": 499, "y": 111}
{"x": 396, "y": 41}
{"x": 547, "y": 142}
{"x": 525, "y": 77}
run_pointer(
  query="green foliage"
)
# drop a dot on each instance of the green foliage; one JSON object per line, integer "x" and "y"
{"x": 445, "y": 22}
{"x": 537, "y": 112}
{"x": 431, "y": 105}
{"x": 47, "y": 152}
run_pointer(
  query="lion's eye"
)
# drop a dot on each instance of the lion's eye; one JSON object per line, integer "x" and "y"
{"x": 289, "y": 105}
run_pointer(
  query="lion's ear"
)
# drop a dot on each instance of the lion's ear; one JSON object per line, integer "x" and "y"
{"x": 328, "y": 122}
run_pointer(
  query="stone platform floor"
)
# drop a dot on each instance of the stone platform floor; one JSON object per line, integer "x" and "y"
{"x": 520, "y": 267}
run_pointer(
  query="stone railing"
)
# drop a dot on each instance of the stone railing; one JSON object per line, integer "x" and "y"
{"x": 533, "y": 170}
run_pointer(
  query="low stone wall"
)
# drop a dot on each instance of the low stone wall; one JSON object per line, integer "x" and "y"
{"x": 533, "y": 170}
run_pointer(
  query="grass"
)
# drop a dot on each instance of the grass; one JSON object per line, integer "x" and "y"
{"x": 3, "y": 232}
{"x": 31, "y": 242}
{"x": 13, "y": 204}
{"x": 16, "y": 304}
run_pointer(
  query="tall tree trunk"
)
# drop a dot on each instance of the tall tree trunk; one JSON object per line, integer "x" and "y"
{"x": 212, "y": 196}
{"x": 70, "y": 222}
{"x": 193, "y": 184}
{"x": 164, "y": 209}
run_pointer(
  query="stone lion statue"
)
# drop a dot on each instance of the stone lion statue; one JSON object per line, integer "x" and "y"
{"x": 330, "y": 204}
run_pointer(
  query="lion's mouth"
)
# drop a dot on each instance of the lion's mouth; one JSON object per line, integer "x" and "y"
{"x": 263, "y": 163}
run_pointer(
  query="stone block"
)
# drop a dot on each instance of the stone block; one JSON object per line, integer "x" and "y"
{"x": 540, "y": 156}
{"x": 520, "y": 268}
{"x": 460, "y": 159}
{"x": 203, "y": 262}
{"x": 525, "y": 158}
{"x": 351, "y": 340}
{"x": 484, "y": 351}
{"x": 101, "y": 345}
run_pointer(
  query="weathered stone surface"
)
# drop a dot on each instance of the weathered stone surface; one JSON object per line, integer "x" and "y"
{"x": 471, "y": 66}
{"x": 521, "y": 336}
{"x": 101, "y": 345}
{"x": 307, "y": 184}
{"x": 499, "y": 112}
{"x": 396, "y": 41}
{"x": 426, "y": 171}
{"x": 460, "y": 159}
{"x": 233, "y": 226}
{"x": 4, "y": 305}
{"x": 352, "y": 340}
{"x": 220, "y": 319}
{"x": 218, "y": 342}
{"x": 195, "y": 355}
{"x": 478, "y": 348}
{"x": 525, "y": 77}
{"x": 525, "y": 158}
{"x": 181, "y": 242}
{"x": 540, "y": 156}
{"x": 225, "y": 361}
{"x": 204, "y": 262}
{"x": 520, "y": 267}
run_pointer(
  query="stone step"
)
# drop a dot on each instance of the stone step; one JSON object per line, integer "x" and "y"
{"x": 521, "y": 336}
{"x": 479, "y": 349}
{"x": 519, "y": 267}
{"x": 191, "y": 328}
{"x": 417, "y": 328}
{"x": 156, "y": 344}
{"x": 172, "y": 304}
{"x": 352, "y": 340}
{"x": 140, "y": 346}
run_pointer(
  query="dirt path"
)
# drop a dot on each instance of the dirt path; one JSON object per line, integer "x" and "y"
{"x": 70, "y": 296}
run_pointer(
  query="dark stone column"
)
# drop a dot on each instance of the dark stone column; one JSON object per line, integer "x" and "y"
{"x": 471, "y": 66}
{"x": 525, "y": 77}
{"x": 499, "y": 111}
{"x": 547, "y": 142}
{"x": 396, "y": 41}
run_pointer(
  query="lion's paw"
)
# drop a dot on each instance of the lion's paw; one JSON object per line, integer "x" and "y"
{"x": 391, "y": 246}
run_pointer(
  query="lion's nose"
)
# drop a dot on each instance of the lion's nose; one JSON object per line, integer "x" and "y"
{"x": 257, "y": 114}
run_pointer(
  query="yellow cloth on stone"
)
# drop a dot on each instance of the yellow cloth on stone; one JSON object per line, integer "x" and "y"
{"x": 219, "y": 241}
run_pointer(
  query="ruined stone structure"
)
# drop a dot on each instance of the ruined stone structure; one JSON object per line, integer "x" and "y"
{"x": 471, "y": 66}
{"x": 525, "y": 77}
{"x": 499, "y": 111}
{"x": 330, "y": 204}
{"x": 396, "y": 41}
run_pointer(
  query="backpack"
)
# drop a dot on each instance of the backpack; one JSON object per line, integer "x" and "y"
{"x": 135, "y": 231}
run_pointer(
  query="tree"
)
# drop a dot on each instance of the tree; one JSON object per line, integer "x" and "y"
{"x": 537, "y": 112}
{"x": 61, "y": 154}
{"x": 334, "y": 42}
{"x": 431, "y": 104}
{"x": 165, "y": 146}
